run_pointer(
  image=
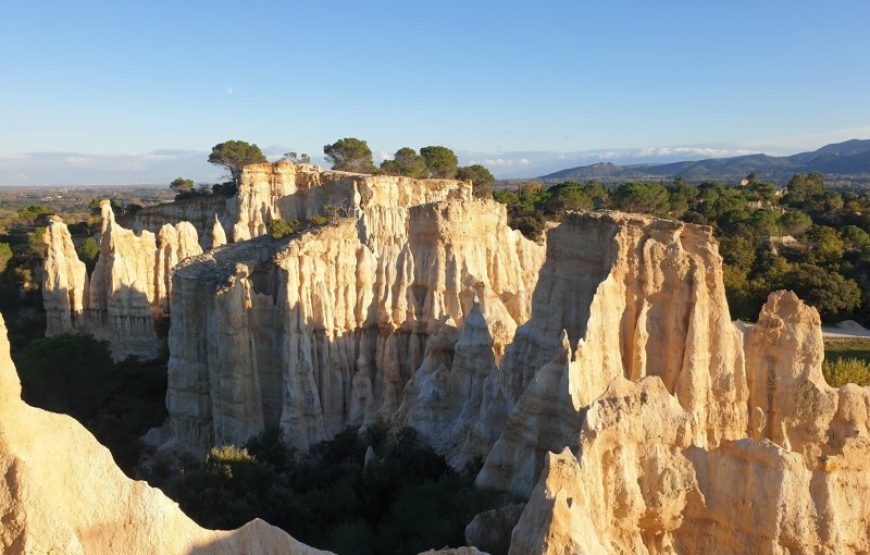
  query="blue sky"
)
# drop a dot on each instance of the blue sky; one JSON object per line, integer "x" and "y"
{"x": 132, "y": 92}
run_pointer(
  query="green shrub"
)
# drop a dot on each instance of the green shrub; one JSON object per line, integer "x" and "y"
{"x": 279, "y": 228}
{"x": 841, "y": 371}
{"x": 406, "y": 500}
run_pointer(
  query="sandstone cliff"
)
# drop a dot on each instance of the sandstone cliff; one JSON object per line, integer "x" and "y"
{"x": 599, "y": 374}
{"x": 675, "y": 432}
{"x": 322, "y": 331}
{"x": 300, "y": 191}
{"x": 62, "y": 493}
{"x": 619, "y": 296}
{"x": 128, "y": 289}
{"x": 199, "y": 211}
{"x": 639, "y": 485}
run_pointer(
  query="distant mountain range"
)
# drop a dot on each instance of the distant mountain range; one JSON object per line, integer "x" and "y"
{"x": 848, "y": 158}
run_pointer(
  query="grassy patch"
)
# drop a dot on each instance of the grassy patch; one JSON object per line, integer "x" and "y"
{"x": 847, "y": 361}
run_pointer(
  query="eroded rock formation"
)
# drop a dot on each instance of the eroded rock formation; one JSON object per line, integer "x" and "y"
{"x": 62, "y": 493}
{"x": 323, "y": 331}
{"x": 599, "y": 374}
{"x": 200, "y": 211}
{"x": 675, "y": 431}
{"x": 619, "y": 296}
{"x": 639, "y": 485}
{"x": 301, "y": 191}
{"x": 127, "y": 291}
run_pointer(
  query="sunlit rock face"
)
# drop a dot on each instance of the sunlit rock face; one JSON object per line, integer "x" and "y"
{"x": 301, "y": 191}
{"x": 62, "y": 493}
{"x": 128, "y": 289}
{"x": 322, "y": 331}
{"x": 619, "y": 295}
{"x": 639, "y": 484}
{"x": 651, "y": 424}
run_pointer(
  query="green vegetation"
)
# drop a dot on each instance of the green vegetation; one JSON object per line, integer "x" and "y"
{"x": 840, "y": 371}
{"x": 235, "y": 155}
{"x": 406, "y": 162}
{"x": 182, "y": 186}
{"x": 89, "y": 251}
{"x": 440, "y": 161}
{"x": 297, "y": 158}
{"x": 404, "y": 501}
{"x": 279, "y": 228}
{"x": 806, "y": 238}
{"x": 480, "y": 177}
{"x": 74, "y": 374}
{"x": 350, "y": 154}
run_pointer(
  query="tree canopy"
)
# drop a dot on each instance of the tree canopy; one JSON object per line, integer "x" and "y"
{"x": 182, "y": 185}
{"x": 350, "y": 154}
{"x": 406, "y": 162}
{"x": 480, "y": 177}
{"x": 235, "y": 155}
{"x": 441, "y": 161}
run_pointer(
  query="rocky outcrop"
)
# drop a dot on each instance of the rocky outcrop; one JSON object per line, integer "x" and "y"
{"x": 618, "y": 296}
{"x": 323, "y": 331}
{"x": 301, "y": 191}
{"x": 127, "y": 291}
{"x": 64, "y": 280}
{"x": 639, "y": 485}
{"x": 218, "y": 235}
{"x": 200, "y": 211}
{"x": 491, "y": 530}
{"x": 62, "y": 493}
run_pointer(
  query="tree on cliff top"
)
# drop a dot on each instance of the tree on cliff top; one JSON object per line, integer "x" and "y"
{"x": 480, "y": 177}
{"x": 441, "y": 161}
{"x": 235, "y": 155}
{"x": 351, "y": 155}
{"x": 406, "y": 162}
{"x": 181, "y": 185}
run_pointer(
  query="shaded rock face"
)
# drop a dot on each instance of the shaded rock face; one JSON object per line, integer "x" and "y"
{"x": 323, "y": 331}
{"x": 127, "y": 291}
{"x": 62, "y": 493}
{"x": 198, "y": 211}
{"x": 491, "y": 531}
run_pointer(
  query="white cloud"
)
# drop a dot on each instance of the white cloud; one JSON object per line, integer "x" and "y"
{"x": 75, "y": 168}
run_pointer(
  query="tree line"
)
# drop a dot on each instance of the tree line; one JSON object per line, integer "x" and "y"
{"x": 804, "y": 237}
{"x": 348, "y": 154}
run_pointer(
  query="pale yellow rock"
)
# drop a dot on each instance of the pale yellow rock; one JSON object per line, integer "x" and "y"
{"x": 639, "y": 482}
{"x": 218, "y": 235}
{"x": 323, "y": 331}
{"x": 62, "y": 493}
{"x": 198, "y": 210}
{"x": 64, "y": 280}
{"x": 128, "y": 289}
{"x": 301, "y": 191}
{"x": 620, "y": 295}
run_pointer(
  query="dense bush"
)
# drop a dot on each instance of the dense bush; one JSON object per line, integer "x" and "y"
{"x": 404, "y": 501}
{"x": 279, "y": 228}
